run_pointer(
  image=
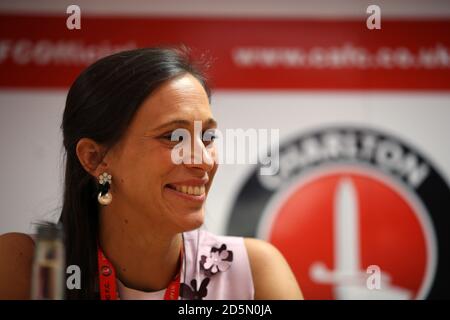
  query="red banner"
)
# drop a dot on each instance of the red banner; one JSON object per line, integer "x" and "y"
{"x": 40, "y": 52}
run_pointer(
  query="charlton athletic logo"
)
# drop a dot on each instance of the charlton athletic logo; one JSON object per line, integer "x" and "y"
{"x": 357, "y": 213}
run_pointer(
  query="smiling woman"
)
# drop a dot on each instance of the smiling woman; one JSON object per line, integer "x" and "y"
{"x": 129, "y": 208}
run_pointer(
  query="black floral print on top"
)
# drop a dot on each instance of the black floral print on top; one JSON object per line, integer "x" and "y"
{"x": 191, "y": 292}
{"x": 219, "y": 260}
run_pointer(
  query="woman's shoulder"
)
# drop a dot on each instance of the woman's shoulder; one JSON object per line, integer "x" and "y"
{"x": 16, "y": 258}
{"x": 272, "y": 275}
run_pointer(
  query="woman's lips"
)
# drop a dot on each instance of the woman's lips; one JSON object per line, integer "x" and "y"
{"x": 188, "y": 189}
{"x": 187, "y": 192}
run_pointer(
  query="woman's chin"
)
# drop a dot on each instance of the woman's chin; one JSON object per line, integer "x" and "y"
{"x": 191, "y": 220}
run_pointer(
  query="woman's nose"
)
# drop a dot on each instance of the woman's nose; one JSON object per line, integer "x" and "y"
{"x": 201, "y": 156}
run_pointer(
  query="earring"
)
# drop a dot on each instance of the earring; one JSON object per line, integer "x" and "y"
{"x": 104, "y": 196}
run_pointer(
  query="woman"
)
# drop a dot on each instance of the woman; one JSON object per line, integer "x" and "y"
{"x": 125, "y": 197}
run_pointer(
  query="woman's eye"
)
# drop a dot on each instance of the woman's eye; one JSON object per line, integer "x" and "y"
{"x": 209, "y": 137}
{"x": 168, "y": 137}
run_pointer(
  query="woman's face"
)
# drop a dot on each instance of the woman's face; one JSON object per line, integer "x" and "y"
{"x": 145, "y": 180}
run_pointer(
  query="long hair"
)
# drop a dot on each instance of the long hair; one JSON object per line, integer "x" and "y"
{"x": 100, "y": 105}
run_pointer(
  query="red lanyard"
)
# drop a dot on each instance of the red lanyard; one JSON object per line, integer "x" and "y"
{"x": 107, "y": 280}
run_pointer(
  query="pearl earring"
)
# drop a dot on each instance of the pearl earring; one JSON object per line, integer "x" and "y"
{"x": 104, "y": 196}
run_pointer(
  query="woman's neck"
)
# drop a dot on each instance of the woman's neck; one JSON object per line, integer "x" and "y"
{"x": 144, "y": 256}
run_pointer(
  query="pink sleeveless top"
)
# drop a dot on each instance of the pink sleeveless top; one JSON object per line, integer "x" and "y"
{"x": 214, "y": 268}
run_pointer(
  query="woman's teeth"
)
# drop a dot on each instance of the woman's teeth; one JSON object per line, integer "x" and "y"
{"x": 196, "y": 191}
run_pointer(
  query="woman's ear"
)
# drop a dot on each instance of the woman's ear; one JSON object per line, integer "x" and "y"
{"x": 91, "y": 155}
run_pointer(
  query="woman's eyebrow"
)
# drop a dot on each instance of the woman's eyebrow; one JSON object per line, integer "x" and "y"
{"x": 210, "y": 122}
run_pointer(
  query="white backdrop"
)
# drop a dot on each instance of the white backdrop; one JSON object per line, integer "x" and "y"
{"x": 31, "y": 157}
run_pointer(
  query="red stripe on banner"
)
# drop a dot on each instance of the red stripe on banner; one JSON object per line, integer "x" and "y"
{"x": 40, "y": 52}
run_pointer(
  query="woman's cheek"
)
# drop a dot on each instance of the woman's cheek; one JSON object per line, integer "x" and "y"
{"x": 166, "y": 156}
{"x": 211, "y": 153}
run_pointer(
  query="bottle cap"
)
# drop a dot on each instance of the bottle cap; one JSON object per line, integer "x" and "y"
{"x": 50, "y": 231}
